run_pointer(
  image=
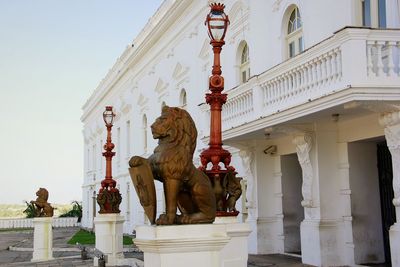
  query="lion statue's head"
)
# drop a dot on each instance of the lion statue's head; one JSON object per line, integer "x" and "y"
{"x": 175, "y": 126}
{"x": 42, "y": 194}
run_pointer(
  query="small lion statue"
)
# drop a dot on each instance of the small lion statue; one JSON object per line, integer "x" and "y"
{"x": 185, "y": 187}
{"x": 43, "y": 208}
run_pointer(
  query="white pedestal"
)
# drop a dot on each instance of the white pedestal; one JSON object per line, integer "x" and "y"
{"x": 109, "y": 234}
{"x": 394, "y": 236}
{"x": 235, "y": 253}
{"x": 42, "y": 239}
{"x": 196, "y": 245}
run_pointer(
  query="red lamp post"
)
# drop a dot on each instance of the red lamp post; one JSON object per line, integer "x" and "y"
{"x": 109, "y": 197}
{"x": 217, "y": 22}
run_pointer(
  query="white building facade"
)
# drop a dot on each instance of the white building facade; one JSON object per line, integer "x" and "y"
{"x": 312, "y": 119}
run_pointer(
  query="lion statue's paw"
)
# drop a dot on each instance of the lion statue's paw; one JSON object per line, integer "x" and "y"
{"x": 136, "y": 161}
{"x": 165, "y": 219}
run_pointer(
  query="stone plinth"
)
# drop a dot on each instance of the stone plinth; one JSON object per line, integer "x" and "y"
{"x": 109, "y": 234}
{"x": 195, "y": 245}
{"x": 235, "y": 253}
{"x": 42, "y": 239}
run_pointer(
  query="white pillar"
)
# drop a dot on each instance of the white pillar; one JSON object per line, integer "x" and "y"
{"x": 42, "y": 239}
{"x": 248, "y": 158}
{"x": 391, "y": 122}
{"x": 109, "y": 234}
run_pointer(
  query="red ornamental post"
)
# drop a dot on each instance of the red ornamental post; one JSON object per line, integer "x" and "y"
{"x": 217, "y": 22}
{"x": 109, "y": 196}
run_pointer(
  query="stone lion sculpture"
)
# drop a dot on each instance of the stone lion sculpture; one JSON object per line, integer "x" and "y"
{"x": 43, "y": 208}
{"x": 185, "y": 187}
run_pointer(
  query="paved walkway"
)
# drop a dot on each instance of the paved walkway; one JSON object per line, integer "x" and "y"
{"x": 16, "y": 250}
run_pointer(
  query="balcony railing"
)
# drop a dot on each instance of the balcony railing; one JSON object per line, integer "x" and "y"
{"x": 352, "y": 57}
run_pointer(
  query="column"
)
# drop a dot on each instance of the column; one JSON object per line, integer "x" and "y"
{"x": 247, "y": 156}
{"x": 42, "y": 239}
{"x": 391, "y": 122}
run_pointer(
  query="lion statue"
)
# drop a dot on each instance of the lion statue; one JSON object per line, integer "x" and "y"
{"x": 43, "y": 208}
{"x": 185, "y": 187}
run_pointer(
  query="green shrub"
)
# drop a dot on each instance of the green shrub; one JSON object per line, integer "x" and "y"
{"x": 76, "y": 211}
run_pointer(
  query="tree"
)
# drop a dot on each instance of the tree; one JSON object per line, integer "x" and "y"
{"x": 76, "y": 211}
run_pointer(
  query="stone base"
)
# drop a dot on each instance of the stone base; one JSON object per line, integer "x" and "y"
{"x": 42, "y": 239}
{"x": 109, "y": 235}
{"x": 196, "y": 245}
{"x": 236, "y": 252}
{"x": 320, "y": 243}
{"x": 394, "y": 236}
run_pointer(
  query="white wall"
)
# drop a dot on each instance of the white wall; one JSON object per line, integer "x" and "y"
{"x": 365, "y": 203}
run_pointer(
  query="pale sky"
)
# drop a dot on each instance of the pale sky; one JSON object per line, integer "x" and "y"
{"x": 53, "y": 54}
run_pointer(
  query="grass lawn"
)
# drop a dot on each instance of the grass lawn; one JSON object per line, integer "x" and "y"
{"x": 88, "y": 238}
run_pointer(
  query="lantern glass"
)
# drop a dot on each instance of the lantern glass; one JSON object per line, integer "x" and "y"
{"x": 218, "y": 23}
{"x": 108, "y": 116}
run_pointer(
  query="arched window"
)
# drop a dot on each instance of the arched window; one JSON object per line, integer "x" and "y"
{"x": 144, "y": 133}
{"x": 244, "y": 64}
{"x": 182, "y": 99}
{"x": 295, "y": 34}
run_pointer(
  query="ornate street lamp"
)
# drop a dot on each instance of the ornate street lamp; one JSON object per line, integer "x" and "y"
{"x": 226, "y": 185}
{"x": 109, "y": 197}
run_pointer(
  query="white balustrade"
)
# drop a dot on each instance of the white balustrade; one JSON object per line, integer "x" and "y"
{"x": 238, "y": 106}
{"x": 28, "y": 223}
{"x": 333, "y": 65}
{"x": 383, "y": 58}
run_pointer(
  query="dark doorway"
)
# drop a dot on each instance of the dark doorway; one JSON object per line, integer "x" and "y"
{"x": 388, "y": 211}
{"x": 293, "y": 212}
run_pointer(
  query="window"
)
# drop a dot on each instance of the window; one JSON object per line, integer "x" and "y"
{"x": 295, "y": 43}
{"x": 244, "y": 64}
{"x": 373, "y": 13}
{"x": 182, "y": 99}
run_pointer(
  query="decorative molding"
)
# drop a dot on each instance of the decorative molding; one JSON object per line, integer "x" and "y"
{"x": 170, "y": 53}
{"x": 247, "y": 156}
{"x": 142, "y": 100}
{"x": 276, "y": 5}
{"x": 152, "y": 70}
{"x": 161, "y": 86}
{"x": 179, "y": 71}
{"x": 303, "y": 144}
{"x": 374, "y": 106}
{"x": 205, "y": 50}
{"x": 135, "y": 86}
{"x": 194, "y": 32}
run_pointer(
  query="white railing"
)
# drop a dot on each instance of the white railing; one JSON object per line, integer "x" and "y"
{"x": 28, "y": 223}
{"x": 353, "y": 57}
{"x": 383, "y": 58}
{"x": 239, "y": 106}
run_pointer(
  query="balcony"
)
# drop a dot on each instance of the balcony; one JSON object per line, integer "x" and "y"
{"x": 353, "y": 64}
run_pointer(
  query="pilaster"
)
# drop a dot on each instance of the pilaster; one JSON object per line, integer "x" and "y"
{"x": 391, "y": 122}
